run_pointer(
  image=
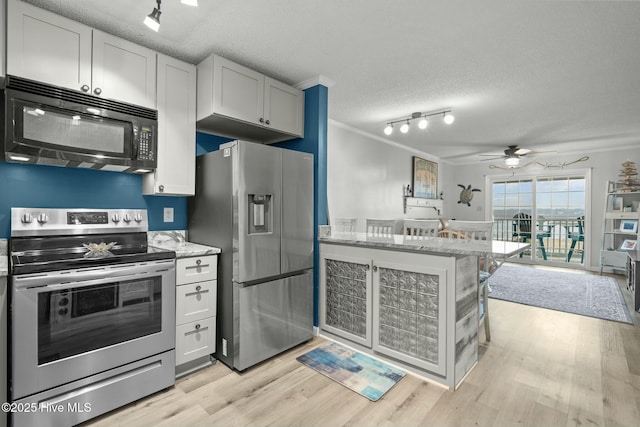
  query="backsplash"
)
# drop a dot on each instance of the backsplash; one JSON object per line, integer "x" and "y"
{"x": 23, "y": 185}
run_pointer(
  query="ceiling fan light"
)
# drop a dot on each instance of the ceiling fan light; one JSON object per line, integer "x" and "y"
{"x": 512, "y": 162}
{"x": 448, "y": 118}
{"x": 153, "y": 20}
{"x": 422, "y": 124}
{"x": 405, "y": 127}
{"x": 190, "y": 2}
{"x": 388, "y": 130}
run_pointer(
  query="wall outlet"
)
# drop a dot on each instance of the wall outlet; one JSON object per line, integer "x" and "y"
{"x": 168, "y": 214}
{"x": 224, "y": 347}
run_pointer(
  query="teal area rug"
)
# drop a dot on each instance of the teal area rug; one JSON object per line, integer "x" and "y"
{"x": 584, "y": 294}
{"x": 363, "y": 374}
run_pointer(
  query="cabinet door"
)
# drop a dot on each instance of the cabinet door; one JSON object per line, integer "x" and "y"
{"x": 195, "y": 301}
{"x": 176, "y": 172}
{"x": 238, "y": 92}
{"x": 345, "y": 292}
{"x": 195, "y": 339}
{"x": 123, "y": 70}
{"x": 283, "y": 107}
{"x": 46, "y": 47}
{"x": 409, "y": 309}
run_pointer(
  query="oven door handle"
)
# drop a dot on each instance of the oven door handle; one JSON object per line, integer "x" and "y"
{"x": 74, "y": 279}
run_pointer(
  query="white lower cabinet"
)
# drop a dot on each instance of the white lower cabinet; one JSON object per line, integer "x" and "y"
{"x": 394, "y": 308}
{"x": 196, "y": 290}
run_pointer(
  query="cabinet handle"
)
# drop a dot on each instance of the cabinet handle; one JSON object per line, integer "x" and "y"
{"x": 367, "y": 267}
{"x": 97, "y": 91}
{"x": 198, "y": 262}
{"x": 197, "y": 326}
{"x": 268, "y": 122}
{"x": 198, "y": 288}
{"x": 84, "y": 88}
{"x": 375, "y": 268}
{"x": 261, "y": 120}
{"x": 161, "y": 188}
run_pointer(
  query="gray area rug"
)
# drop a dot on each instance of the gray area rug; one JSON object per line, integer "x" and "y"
{"x": 585, "y": 294}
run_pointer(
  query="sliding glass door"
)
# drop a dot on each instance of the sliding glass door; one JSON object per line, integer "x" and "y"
{"x": 547, "y": 211}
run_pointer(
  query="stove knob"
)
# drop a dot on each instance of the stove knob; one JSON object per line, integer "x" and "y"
{"x": 137, "y": 217}
{"x": 126, "y": 218}
{"x": 27, "y": 218}
{"x": 42, "y": 218}
{"x": 115, "y": 218}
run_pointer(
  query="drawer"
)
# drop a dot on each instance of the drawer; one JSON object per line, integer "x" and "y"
{"x": 195, "y": 339}
{"x": 196, "y": 269}
{"x": 195, "y": 301}
{"x": 614, "y": 259}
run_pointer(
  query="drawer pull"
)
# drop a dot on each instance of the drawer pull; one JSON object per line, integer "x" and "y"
{"x": 197, "y": 326}
{"x": 198, "y": 262}
{"x": 198, "y": 288}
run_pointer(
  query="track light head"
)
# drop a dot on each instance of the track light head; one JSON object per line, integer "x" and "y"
{"x": 153, "y": 19}
{"x": 405, "y": 127}
{"x": 422, "y": 124}
{"x": 448, "y": 118}
{"x": 389, "y": 129}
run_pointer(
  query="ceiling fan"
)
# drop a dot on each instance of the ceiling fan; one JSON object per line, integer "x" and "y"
{"x": 513, "y": 154}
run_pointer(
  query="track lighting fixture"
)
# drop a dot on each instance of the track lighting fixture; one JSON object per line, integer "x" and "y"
{"x": 447, "y": 117}
{"x": 153, "y": 19}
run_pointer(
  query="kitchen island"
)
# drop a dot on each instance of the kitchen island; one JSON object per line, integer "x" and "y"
{"x": 413, "y": 302}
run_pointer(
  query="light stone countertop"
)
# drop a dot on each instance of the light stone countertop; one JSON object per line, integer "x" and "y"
{"x": 4, "y": 261}
{"x": 431, "y": 245}
{"x": 176, "y": 241}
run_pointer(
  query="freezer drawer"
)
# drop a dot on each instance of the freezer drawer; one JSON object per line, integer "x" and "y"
{"x": 272, "y": 317}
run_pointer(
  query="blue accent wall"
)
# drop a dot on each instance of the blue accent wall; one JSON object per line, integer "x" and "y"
{"x": 38, "y": 186}
{"x": 315, "y": 142}
{"x": 206, "y": 143}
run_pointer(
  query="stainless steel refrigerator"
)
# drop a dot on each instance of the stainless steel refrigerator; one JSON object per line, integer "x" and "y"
{"x": 255, "y": 202}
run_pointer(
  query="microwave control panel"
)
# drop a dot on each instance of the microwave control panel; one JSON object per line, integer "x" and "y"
{"x": 145, "y": 144}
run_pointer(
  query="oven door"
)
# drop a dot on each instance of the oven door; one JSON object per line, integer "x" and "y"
{"x": 69, "y": 325}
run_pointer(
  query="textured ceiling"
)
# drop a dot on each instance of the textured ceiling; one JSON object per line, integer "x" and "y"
{"x": 546, "y": 75}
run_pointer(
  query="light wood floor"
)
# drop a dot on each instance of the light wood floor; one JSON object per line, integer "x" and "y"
{"x": 542, "y": 368}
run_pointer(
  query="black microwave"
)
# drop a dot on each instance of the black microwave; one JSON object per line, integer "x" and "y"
{"x": 50, "y": 125}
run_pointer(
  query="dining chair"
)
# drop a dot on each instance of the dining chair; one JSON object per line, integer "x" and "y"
{"x": 381, "y": 226}
{"x": 345, "y": 225}
{"x": 420, "y": 228}
{"x": 575, "y": 238}
{"x": 477, "y": 230}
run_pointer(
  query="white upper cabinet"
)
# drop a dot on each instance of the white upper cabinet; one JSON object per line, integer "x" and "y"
{"x": 176, "y": 171}
{"x": 283, "y": 107}
{"x": 123, "y": 70}
{"x": 238, "y": 102}
{"x": 238, "y": 93}
{"x": 52, "y": 49}
{"x": 48, "y": 48}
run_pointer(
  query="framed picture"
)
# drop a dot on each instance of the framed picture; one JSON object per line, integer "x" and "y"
{"x": 425, "y": 178}
{"x": 616, "y": 204}
{"x": 629, "y": 225}
{"x": 628, "y": 245}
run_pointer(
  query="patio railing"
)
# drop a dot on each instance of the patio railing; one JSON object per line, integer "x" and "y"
{"x": 557, "y": 242}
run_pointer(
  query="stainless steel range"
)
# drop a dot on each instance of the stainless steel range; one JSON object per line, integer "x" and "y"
{"x": 92, "y": 324}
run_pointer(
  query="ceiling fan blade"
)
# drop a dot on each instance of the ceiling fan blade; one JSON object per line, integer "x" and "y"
{"x": 491, "y": 155}
{"x": 537, "y": 153}
{"x": 522, "y": 151}
{"x": 492, "y": 158}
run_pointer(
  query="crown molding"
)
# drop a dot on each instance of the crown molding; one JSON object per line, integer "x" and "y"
{"x": 315, "y": 81}
{"x": 423, "y": 154}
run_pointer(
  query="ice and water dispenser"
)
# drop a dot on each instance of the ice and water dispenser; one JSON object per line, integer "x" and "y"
{"x": 260, "y": 213}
